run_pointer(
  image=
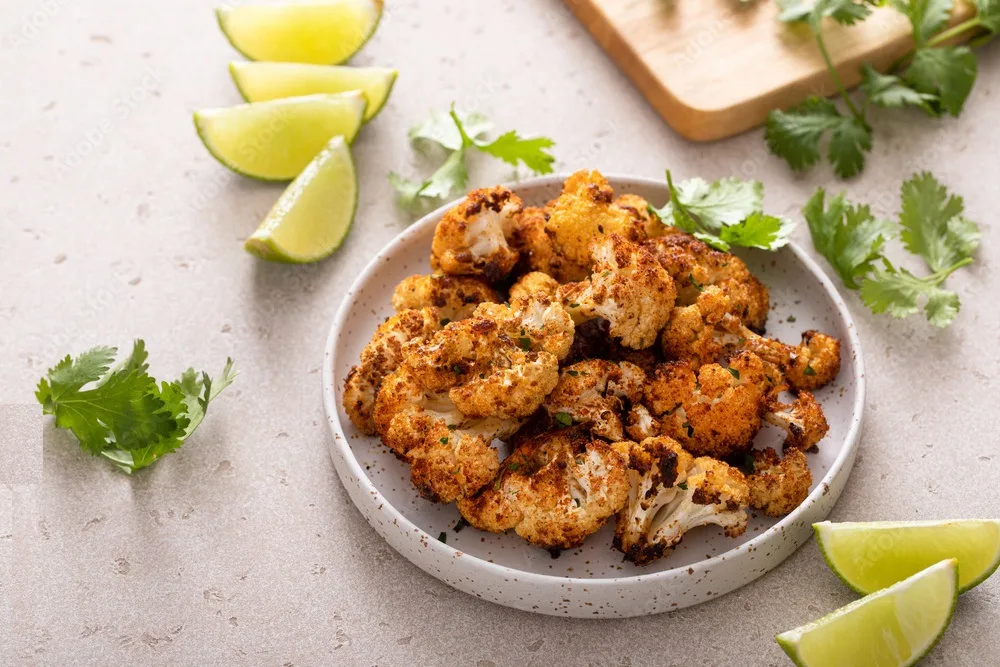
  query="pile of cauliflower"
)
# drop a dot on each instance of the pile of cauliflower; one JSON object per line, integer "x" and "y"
{"x": 623, "y": 361}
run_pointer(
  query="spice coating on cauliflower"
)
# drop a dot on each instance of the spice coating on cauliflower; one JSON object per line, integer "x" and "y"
{"x": 595, "y": 393}
{"x": 533, "y": 283}
{"x": 583, "y": 212}
{"x": 628, "y": 288}
{"x": 501, "y": 362}
{"x": 450, "y": 454}
{"x": 778, "y": 486}
{"x": 802, "y": 419}
{"x": 534, "y": 243}
{"x": 455, "y": 297}
{"x": 714, "y": 411}
{"x": 694, "y": 265}
{"x": 816, "y": 362}
{"x": 554, "y": 490}
{"x": 381, "y": 356}
{"x": 645, "y": 225}
{"x": 672, "y": 492}
{"x": 471, "y": 238}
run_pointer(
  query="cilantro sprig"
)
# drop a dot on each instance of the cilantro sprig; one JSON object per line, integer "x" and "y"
{"x": 120, "y": 412}
{"x": 931, "y": 225}
{"x": 934, "y": 77}
{"x": 458, "y": 132}
{"x": 723, "y": 214}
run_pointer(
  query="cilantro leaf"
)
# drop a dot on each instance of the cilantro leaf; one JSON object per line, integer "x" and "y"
{"x": 795, "y": 135}
{"x": 512, "y": 149}
{"x": 888, "y": 91}
{"x": 441, "y": 128}
{"x": 946, "y": 72}
{"x": 932, "y": 223}
{"x": 926, "y": 16}
{"x": 898, "y": 292}
{"x": 989, "y": 14}
{"x": 120, "y": 412}
{"x": 849, "y": 237}
{"x": 758, "y": 230}
{"x": 845, "y": 12}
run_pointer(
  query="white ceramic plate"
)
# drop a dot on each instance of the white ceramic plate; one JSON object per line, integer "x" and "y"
{"x": 591, "y": 581}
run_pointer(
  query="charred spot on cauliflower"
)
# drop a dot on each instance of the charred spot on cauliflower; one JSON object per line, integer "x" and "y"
{"x": 534, "y": 243}
{"x": 455, "y": 297}
{"x": 778, "y": 486}
{"x": 802, "y": 419}
{"x": 694, "y": 265}
{"x": 450, "y": 454}
{"x": 533, "y": 283}
{"x": 554, "y": 490}
{"x": 672, "y": 492}
{"x": 471, "y": 238}
{"x": 816, "y": 362}
{"x": 381, "y": 356}
{"x": 712, "y": 411}
{"x": 584, "y": 211}
{"x": 595, "y": 393}
{"x": 628, "y": 288}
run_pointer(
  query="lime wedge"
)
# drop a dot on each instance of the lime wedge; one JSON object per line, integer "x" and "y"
{"x": 892, "y": 628}
{"x": 324, "y": 33}
{"x": 260, "y": 82}
{"x": 871, "y": 556}
{"x": 275, "y": 140}
{"x": 314, "y": 214}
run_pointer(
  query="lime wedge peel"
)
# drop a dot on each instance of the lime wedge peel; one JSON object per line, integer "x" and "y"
{"x": 313, "y": 216}
{"x": 323, "y": 33}
{"x": 895, "y": 627}
{"x": 871, "y": 556}
{"x": 274, "y": 141}
{"x": 261, "y": 82}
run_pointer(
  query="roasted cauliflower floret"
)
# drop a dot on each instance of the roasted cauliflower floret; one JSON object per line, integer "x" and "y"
{"x": 816, "y": 362}
{"x": 554, "y": 490}
{"x": 706, "y": 331}
{"x": 595, "y": 393}
{"x": 450, "y": 454}
{"x": 455, "y": 297}
{"x": 695, "y": 265}
{"x": 672, "y": 492}
{"x": 628, "y": 288}
{"x": 381, "y": 356}
{"x": 534, "y": 243}
{"x": 778, "y": 486}
{"x": 471, "y": 238}
{"x": 532, "y": 283}
{"x": 501, "y": 362}
{"x": 644, "y": 224}
{"x": 802, "y": 419}
{"x": 714, "y": 411}
{"x": 585, "y": 211}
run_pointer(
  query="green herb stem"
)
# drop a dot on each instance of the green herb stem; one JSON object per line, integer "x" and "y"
{"x": 939, "y": 277}
{"x": 835, "y": 76}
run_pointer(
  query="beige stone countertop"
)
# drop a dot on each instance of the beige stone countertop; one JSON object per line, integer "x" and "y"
{"x": 243, "y": 548}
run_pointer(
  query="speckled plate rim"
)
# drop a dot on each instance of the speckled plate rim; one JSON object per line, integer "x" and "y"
{"x": 842, "y": 465}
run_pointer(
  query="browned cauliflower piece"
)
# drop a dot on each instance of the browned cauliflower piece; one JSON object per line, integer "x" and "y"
{"x": 381, "y": 356}
{"x": 534, "y": 243}
{"x": 707, "y": 331}
{"x": 450, "y": 454}
{"x": 778, "y": 486}
{"x": 455, "y": 297}
{"x": 672, "y": 492}
{"x": 534, "y": 282}
{"x": 501, "y": 362}
{"x": 645, "y": 225}
{"x": 815, "y": 362}
{"x": 802, "y": 419}
{"x": 584, "y": 211}
{"x": 471, "y": 238}
{"x": 714, "y": 411}
{"x": 554, "y": 490}
{"x": 695, "y": 265}
{"x": 595, "y": 393}
{"x": 628, "y": 288}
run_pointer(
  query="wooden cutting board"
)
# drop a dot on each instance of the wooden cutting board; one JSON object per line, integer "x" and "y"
{"x": 714, "y": 68}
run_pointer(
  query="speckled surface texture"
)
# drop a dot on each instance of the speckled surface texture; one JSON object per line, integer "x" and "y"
{"x": 244, "y": 549}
